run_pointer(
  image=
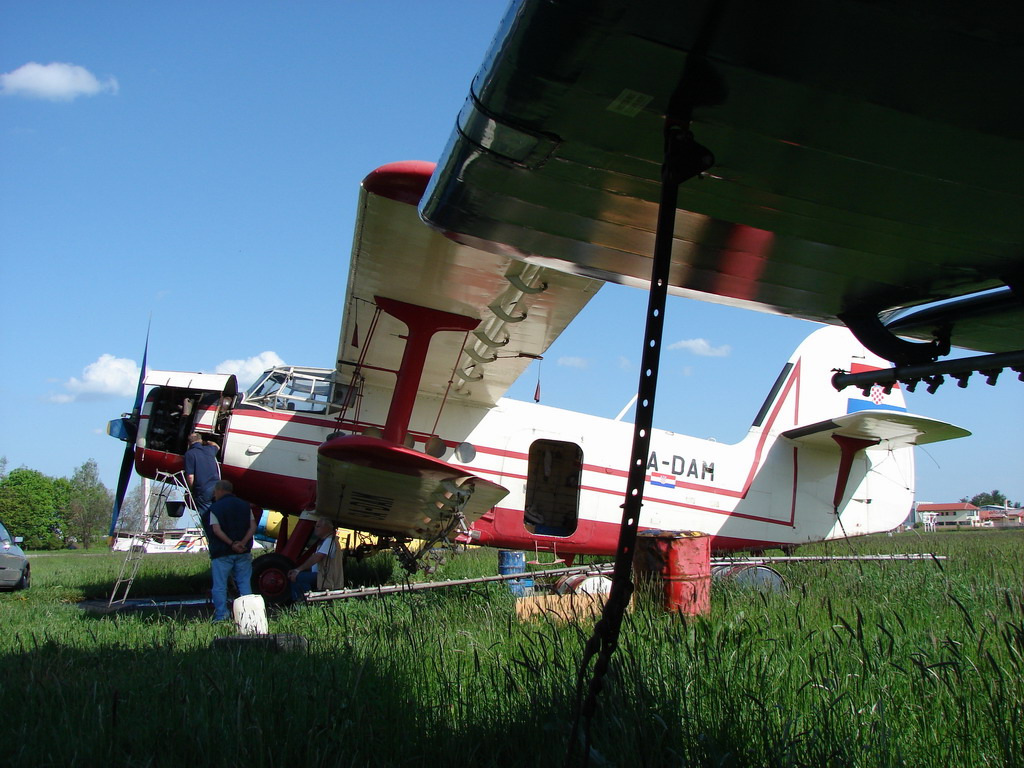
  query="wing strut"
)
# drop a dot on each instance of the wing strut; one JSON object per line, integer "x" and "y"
{"x": 422, "y": 323}
{"x": 684, "y": 158}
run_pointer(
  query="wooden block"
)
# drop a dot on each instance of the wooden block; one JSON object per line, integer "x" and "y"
{"x": 561, "y": 607}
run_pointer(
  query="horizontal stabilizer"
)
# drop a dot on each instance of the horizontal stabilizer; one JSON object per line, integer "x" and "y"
{"x": 891, "y": 429}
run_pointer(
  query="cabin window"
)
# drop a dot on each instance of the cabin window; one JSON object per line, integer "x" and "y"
{"x": 304, "y": 393}
{"x": 553, "y": 488}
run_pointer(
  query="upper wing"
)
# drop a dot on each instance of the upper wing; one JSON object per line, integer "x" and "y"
{"x": 867, "y": 154}
{"x": 521, "y": 308}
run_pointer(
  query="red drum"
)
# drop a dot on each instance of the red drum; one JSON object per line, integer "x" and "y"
{"x": 681, "y": 560}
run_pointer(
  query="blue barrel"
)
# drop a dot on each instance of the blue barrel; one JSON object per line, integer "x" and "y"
{"x": 512, "y": 561}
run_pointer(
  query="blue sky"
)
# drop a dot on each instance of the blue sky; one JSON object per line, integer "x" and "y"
{"x": 198, "y": 163}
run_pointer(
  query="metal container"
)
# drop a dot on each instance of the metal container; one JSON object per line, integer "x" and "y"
{"x": 512, "y": 561}
{"x": 680, "y": 563}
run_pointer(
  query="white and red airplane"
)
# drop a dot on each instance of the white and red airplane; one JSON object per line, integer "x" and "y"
{"x": 409, "y": 436}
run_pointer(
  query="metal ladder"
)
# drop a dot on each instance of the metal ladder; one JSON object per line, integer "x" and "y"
{"x": 155, "y": 503}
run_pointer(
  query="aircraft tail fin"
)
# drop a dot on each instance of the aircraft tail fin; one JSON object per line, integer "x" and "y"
{"x": 804, "y": 406}
{"x": 854, "y": 445}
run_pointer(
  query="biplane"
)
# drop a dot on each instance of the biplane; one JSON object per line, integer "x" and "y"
{"x": 409, "y": 436}
{"x": 854, "y": 164}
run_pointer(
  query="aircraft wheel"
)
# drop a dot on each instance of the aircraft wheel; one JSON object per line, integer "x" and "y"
{"x": 270, "y": 578}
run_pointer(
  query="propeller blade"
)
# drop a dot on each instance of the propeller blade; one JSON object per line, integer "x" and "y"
{"x": 128, "y": 459}
{"x": 142, "y": 378}
{"x": 127, "y": 464}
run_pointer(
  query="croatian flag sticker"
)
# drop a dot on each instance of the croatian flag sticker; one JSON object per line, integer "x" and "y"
{"x": 876, "y": 398}
{"x": 665, "y": 481}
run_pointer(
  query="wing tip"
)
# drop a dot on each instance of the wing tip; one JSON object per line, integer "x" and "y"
{"x": 403, "y": 181}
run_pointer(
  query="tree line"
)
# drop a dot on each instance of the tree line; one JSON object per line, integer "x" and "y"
{"x": 55, "y": 512}
{"x": 987, "y": 498}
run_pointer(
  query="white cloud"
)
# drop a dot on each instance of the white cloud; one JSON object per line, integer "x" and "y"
{"x": 247, "y": 370}
{"x": 113, "y": 377}
{"x": 573, "y": 362}
{"x": 701, "y": 347}
{"x": 108, "y": 377}
{"x": 56, "y": 81}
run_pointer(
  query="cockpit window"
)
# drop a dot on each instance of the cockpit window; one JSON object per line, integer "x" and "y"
{"x": 268, "y": 383}
{"x": 305, "y": 390}
{"x": 305, "y": 393}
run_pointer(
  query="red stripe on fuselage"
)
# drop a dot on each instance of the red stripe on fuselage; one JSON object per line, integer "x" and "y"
{"x": 791, "y": 382}
{"x": 791, "y": 387}
{"x": 601, "y": 538}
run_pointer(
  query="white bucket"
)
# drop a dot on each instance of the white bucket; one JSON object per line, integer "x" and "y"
{"x": 250, "y": 613}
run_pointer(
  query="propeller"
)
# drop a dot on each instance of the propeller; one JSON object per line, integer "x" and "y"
{"x": 127, "y": 428}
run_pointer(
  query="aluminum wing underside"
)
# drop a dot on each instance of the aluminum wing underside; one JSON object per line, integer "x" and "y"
{"x": 868, "y": 155}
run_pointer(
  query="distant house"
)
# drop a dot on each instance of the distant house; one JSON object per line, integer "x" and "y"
{"x": 958, "y": 513}
{"x": 1000, "y": 517}
{"x": 962, "y": 514}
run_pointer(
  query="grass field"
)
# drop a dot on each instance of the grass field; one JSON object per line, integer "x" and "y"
{"x": 892, "y": 664}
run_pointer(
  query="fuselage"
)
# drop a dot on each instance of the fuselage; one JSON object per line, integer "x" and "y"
{"x": 565, "y": 472}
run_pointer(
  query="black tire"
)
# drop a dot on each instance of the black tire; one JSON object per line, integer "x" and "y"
{"x": 270, "y": 578}
{"x": 26, "y": 579}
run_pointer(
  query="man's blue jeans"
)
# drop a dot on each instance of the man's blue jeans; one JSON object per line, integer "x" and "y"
{"x": 305, "y": 581}
{"x": 239, "y": 567}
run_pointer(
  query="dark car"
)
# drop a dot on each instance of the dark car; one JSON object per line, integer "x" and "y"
{"x": 14, "y": 568}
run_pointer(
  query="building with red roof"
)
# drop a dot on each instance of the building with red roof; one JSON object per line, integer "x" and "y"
{"x": 960, "y": 513}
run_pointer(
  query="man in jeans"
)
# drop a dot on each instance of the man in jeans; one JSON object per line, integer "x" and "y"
{"x": 232, "y": 526}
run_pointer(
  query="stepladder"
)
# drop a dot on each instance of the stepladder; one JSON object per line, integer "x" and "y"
{"x": 166, "y": 498}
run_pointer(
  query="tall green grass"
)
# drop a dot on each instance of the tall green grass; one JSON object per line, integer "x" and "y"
{"x": 891, "y": 664}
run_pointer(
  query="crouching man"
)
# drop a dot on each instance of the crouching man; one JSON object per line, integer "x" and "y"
{"x": 324, "y": 568}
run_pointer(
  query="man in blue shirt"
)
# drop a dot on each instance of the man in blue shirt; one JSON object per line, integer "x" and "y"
{"x": 201, "y": 473}
{"x": 232, "y": 526}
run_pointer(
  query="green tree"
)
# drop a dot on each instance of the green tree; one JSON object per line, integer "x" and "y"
{"x": 62, "y": 505}
{"x": 989, "y": 497}
{"x": 133, "y": 510}
{"x": 88, "y": 511}
{"x": 27, "y": 508}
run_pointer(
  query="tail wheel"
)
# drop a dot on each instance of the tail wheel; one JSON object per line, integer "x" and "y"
{"x": 270, "y": 578}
